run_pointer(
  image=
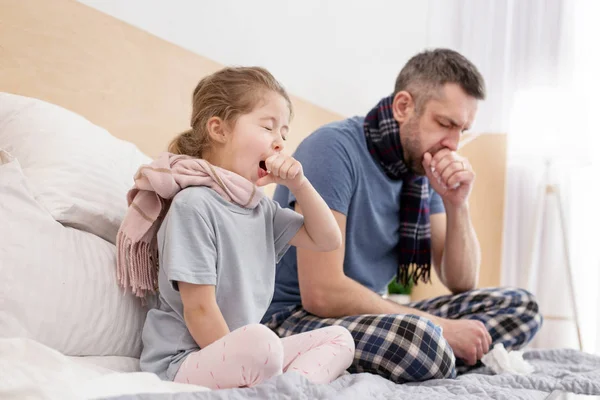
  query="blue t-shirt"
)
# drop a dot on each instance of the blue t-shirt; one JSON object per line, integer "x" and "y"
{"x": 336, "y": 161}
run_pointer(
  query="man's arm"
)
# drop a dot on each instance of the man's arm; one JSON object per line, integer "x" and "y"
{"x": 455, "y": 248}
{"x": 327, "y": 292}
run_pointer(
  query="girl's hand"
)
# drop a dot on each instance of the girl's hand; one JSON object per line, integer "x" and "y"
{"x": 283, "y": 170}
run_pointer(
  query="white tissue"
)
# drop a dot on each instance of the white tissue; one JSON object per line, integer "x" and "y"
{"x": 500, "y": 361}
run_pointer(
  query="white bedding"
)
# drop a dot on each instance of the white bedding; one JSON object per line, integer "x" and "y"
{"x": 108, "y": 363}
{"x": 59, "y": 284}
{"x": 30, "y": 370}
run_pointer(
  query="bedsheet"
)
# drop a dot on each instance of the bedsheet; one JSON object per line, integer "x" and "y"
{"x": 556, "y": 370}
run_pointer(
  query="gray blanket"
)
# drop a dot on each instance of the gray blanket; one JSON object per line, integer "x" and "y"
{"x": 556, "y": 370}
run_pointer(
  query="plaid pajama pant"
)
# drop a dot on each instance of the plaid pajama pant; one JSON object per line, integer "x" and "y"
{"x": 408, "y": 348}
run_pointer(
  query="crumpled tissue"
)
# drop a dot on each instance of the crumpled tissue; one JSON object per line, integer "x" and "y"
{"x": 500, "y": 360}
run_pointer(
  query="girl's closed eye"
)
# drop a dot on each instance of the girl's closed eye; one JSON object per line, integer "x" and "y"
{"x": 283, "y": 137}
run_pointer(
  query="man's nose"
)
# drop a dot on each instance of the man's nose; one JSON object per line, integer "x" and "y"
{"x": 452, "y": 139}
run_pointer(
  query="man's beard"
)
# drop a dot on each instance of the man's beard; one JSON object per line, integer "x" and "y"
{"x": 411, "y": 146}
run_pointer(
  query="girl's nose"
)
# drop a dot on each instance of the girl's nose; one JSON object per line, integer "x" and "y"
{"x": 278, "y": 145}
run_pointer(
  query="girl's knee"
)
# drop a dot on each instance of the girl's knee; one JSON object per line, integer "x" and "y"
{"x": 342, "y": 337}
{"x": 259, "y": 339}
{"x": 263, "y": 351}
{"x": 259, "y": 332}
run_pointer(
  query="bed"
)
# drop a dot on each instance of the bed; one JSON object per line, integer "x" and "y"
{"x": 84, "y": 100}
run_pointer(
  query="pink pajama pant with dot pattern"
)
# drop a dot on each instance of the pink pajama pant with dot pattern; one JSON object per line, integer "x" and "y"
{"x": 253, "y": 354}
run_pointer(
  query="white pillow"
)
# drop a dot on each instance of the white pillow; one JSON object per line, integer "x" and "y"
{"x": 78, "y": 171}
{"x": 57, "y": 284}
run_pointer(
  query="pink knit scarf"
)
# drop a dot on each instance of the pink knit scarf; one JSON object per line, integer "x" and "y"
{"x": 155, "y": 185}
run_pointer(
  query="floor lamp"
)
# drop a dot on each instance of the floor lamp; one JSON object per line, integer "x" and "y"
{"x": 549, "y": 189}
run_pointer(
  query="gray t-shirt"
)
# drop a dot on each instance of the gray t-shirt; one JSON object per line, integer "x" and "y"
{"x": 205, "y": 239}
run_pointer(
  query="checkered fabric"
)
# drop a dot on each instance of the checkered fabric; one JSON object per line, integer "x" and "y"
{"x": 408, "y": 348}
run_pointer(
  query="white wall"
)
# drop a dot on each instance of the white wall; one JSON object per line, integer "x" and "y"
{"x": 343, "y": 55}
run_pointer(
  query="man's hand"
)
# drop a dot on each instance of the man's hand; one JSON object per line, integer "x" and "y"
{"x": 450, "y": 176}
{"x": 468, "y": 338}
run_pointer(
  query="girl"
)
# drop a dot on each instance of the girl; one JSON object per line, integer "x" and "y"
{"x": 218, "y": 244}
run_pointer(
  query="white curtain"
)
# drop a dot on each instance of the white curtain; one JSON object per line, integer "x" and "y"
{"x": 584, "y": 184}
{"x": 539, "y": 59}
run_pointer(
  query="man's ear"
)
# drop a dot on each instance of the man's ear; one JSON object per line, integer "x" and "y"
{"x": 217, "y": 130}
{"x": 403, "y": 106}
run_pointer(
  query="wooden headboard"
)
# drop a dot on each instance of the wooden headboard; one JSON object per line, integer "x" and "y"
{"x": 139, "y": 88}
{"x": 128, "y": 81}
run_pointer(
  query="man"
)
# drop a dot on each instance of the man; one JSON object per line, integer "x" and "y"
{"x": 399, "y": 192}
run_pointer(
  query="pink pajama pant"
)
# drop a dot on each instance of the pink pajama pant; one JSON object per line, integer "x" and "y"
{"x": 253, "y": 353}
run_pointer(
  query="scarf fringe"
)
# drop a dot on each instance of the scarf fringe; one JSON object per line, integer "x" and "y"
{"x": 413, "y": 273}
{"x": 137, "y": 266}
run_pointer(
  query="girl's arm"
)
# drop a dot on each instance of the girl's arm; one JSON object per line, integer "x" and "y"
{"x": 320, "y": 231}
{"x": 201, "y": 313}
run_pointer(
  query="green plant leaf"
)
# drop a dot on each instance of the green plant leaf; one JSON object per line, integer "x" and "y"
{"x": 397, "y": 288}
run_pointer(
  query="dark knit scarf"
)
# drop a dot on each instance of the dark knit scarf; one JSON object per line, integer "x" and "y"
{"x": 383, "y": 141}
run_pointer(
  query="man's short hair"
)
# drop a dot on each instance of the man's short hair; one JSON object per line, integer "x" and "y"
{"x": 425, "y": 73}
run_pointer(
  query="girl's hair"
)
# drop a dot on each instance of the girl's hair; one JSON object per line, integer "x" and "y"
{"x": 227, "y": 94}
